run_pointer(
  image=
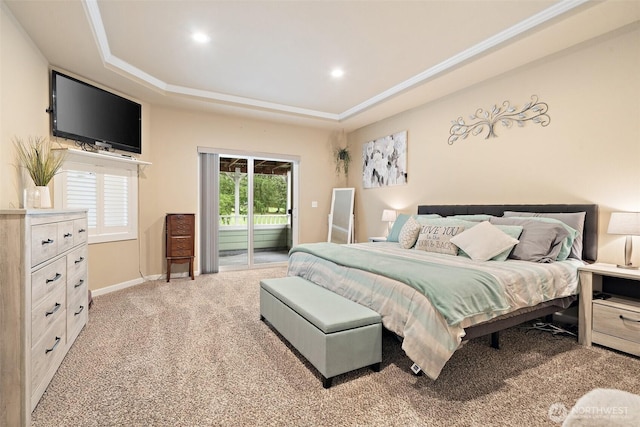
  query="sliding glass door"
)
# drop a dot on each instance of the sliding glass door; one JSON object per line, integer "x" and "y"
{"x": 255, "y": 207}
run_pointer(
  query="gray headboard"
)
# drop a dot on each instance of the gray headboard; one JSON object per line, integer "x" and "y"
{"x": 590, "y": 239}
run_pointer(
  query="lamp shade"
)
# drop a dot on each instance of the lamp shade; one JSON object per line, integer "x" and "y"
{"x": 388, "y": 215}
{"x": 627, "y": 223}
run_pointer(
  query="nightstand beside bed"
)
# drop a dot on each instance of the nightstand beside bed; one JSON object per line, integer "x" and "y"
{"x": 612, "y": 321}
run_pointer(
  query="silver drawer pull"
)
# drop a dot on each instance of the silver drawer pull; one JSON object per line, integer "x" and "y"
{"x": 47, "y": 242}
{"x": 79, "y": 311}
{"x": 58, "y": 339}
{"x": 79, "y": 284}
{"x": 56, "y": 277}
{"x": 55, "y": 308}
{"x": 630, "y": 320}
{"x": 67, "y": 235}
{"x": 79, "y": 260}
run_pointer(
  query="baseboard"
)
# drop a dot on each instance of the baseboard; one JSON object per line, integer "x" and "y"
{"x": 135, "y": 282}
{"x": 116, "y": 287}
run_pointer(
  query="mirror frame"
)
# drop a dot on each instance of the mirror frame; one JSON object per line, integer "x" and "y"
{"x": 341, "y": 216}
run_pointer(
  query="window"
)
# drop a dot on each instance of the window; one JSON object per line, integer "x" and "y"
{"x": 108, "y": 189}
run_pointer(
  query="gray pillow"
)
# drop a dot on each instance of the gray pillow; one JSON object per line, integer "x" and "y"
{"x": 539, "y": 241}
{"x": 574, "y": 220}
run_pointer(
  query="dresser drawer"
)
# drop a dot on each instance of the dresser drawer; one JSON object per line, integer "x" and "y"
{"x": 80, "y": 231}
{"x": 77, "y": 315}
{"x": 44, "y": 242}
{"x": 65, "y": 236}
{"x": 77, "y": 263}
{"x": 180, "y": 246}
{"x": 180, "y": 225}
{"x": 48, "y": 351}
{"x": 77, "y": 285}
{"x": 617, "y": 317}
{"x": 47, "y": 313}
{"x": 47, "y": 280}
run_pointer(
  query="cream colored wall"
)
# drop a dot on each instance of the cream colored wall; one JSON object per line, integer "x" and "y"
{"x": 590, "y": 152}
{"x": 171, "y": 183}
{"x": 24, "y": 85}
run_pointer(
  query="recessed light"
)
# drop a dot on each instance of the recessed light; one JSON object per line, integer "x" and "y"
{"x": 200, "y": 37}
{"x": 337, "y": 72}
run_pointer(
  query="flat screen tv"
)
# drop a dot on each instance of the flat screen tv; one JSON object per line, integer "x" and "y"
{"x": 87, "y": 114}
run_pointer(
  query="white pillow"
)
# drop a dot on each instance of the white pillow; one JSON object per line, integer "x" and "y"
{"x": 409, "y": 233}
{"x": 484, "y": 241}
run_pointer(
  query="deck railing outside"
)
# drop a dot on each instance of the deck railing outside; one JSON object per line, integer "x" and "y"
{"x": 241, "y": 220}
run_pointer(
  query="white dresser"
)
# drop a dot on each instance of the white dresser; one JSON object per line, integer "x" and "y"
{"x": 43, "y": 302}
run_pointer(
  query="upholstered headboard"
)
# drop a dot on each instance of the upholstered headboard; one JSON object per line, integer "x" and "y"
{"x": 590, "y": 233}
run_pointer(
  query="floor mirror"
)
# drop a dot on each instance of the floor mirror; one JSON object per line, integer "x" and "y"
{"x": 341, "y": 216}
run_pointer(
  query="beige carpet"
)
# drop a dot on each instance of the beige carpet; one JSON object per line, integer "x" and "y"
{"x": 194, "y": 353}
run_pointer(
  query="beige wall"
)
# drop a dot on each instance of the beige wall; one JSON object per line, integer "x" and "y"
{"x": 171, "y": 183}
{"x": 590, "y": 152}
{"x": 24, "y": 96}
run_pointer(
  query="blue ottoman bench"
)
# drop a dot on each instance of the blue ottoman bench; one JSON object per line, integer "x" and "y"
{"x": 334, "y": 334}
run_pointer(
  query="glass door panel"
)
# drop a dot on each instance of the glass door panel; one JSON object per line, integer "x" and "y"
{"x": 271, "y": 211}
{"x": 233, "y": 234}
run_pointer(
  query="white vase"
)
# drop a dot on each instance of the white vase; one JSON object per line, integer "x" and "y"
{"x": 44, "y": 201}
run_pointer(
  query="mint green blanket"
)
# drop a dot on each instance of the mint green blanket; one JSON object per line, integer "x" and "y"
{"x": 457, "y": 293}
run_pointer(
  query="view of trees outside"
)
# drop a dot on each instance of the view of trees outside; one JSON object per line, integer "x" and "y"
{"x": 269, "y": 198}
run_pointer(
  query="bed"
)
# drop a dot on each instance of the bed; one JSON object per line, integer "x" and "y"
{"x": 435, "y": 301}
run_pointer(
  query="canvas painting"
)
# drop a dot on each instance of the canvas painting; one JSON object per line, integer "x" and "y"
{"x": 384, "y": 161}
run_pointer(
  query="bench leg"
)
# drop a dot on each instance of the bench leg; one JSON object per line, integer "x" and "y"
{"x": 375, "y": 367}
{"x": 262, "y": 317}
{"x": 495, "y": 340}
{"x": 326, "y": 382}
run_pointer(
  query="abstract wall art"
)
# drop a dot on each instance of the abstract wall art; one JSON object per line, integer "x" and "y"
{"x": 384, "y": 161}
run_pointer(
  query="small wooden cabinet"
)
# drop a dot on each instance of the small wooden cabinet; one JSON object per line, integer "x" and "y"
{"x": 180, "y": 241}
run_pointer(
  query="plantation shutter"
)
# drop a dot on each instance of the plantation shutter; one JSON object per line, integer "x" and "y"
{"x": 82, "y": 192}
{"x": 108, "y": 191}
{"x": 116, "y": 201}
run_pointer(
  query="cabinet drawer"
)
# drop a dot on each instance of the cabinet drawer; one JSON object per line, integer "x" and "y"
{"x": 619, "y": 322}
{"x": 77, "y": 315}
{"x": 80, "y": 231}
{"x": 77, "y": 285}
{"x": 47, "y": 313}
{"x": 48, "y": 352}
{"x": 44, "y": 242}
{"x": 47, "y": 280}
{"x": 65, "y": 236}
{"x": 180, "y": 225}
{"x": 180, "y": 246}
{"x": 77, "y": 263}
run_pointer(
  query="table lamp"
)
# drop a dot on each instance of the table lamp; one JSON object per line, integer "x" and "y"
{"x": 388, "y": 215}
{"x": 627, "y": 223}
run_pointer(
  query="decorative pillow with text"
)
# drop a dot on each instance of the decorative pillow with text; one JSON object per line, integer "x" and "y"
{"x": 436, "y": 238}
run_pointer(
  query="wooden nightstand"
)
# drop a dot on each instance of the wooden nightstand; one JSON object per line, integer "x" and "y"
{"x": 614, "y": 321}
{"x": 377, "y": 239}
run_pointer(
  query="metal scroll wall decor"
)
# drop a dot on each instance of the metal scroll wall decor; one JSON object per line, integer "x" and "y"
{"x": 534, "y": 111}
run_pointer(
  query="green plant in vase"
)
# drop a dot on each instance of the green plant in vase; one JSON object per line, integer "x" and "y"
{"x": 40, "y": 161}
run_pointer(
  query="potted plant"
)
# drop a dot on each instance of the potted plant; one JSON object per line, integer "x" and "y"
{"x": 343, "y": 158}
{"x": 42, "y": 164}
